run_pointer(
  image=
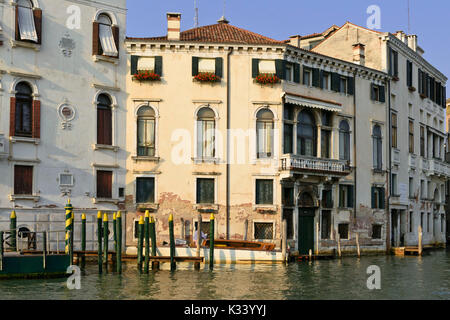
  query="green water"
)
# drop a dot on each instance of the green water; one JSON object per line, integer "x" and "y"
{"x": 426, "y": 277}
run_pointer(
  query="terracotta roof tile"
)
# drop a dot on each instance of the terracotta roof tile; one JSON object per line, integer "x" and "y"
{"x": 218, "y": 33}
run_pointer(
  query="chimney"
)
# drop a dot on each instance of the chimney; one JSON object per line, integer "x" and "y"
{"x": 173, "y": 26}
{"x": 412, "y": 42}
{"x": 295, "y": 40}
{"x": 359, "y": 54}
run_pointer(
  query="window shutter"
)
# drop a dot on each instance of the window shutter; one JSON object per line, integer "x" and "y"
{"x": 382, "y": 94}
{"x": 350, "y": 196}
{"x": 255, "y": 68}
{"x": 23, "y": 180}
{"x": 116, "y": 33}
{"x": 12, "y": 117}
{"x": 194, "y": 66}
{"x": 321, "y": 79}
{"x": 316, "y": 77}
{"x": 390, "y": 71}
{"x": 381, "y": 198}
{"x": 95, "y": 39}
{"x": 37, "y": 13}
{"x": 104, "y": 126}
{"x": 296, "y": 73}
{"x": 219, "y": 67}
{"x": 134, "y": 62}
{"x": 335, "y": 82}
{"x": 36, "y": 119}
{"x": 396, "y": 63}
{"x": 280, "y": 66}
{"x": 351, "y": 85}
{"x": 17, "y": 35}
{"x": 372, "y": 92}
{"x": 444, "y": 96}
{"x": 373, "y": 197}
{"x": 158, "y": 65}
{"x": 104, "y": 184}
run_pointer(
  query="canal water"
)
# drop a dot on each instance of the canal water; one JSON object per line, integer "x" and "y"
{"x": 426, "y": 277}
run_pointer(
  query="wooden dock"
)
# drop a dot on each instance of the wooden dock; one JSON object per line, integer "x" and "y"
{"x": 411, "y": 250}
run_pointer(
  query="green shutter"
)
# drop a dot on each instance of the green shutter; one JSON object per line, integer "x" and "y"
{"x": 158, "y": 65}
{"x": 335, "y": 82}
{"x": 134, "y": 62}
{"x": 373, "y": 197}
{"x": 194, "y": 66}
{"x": 219, "y": 67}
{"x": 382, "y": 94}
{"x": 255, "y": 68}
{"x": 316, "y": 77}
{"x": 280, "y": 68}
{"x": 296, "y": 73}
{"x": 390, "y": 71}
{"x": 381, "y": 198}
{"x": 350, "y": 196}
{"x": 396, "y": 63}
{"x": 444, "y": 96}
{"x": 351, "y": 85}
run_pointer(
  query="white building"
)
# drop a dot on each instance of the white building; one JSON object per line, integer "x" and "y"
{"x": 62, "y": 104}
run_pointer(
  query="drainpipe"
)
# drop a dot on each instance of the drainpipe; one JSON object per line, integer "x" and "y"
{"x": 230, "y": 51}
{"x": 354, "y": 148}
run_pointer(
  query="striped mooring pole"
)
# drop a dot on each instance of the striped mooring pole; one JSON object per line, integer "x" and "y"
{"x": 140, "y": 242}
{"x": 68, "y": 209}
{"x": 147, "y": 241}
{"x": 172, "y": 244}
{"x": 105, "y": 240}
{"x": 83, "y": 239}
{"x": 13, "y": 230}
{"x": 119, "y": 242}
{"x": 211, "y": 242}
{"x": 99, "y": 240}
{"x": 115, "y": 230}
{"x": 152, "y": 227}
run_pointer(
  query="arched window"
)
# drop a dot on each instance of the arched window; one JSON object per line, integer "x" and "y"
{"x": 206, "y": 133}
{"x": 28, "y": 22}
{"x": 23, "y": 110}
{"x": 306, "y": 134}
{"x": 344, "y": 141}
{"x": 264, "y": 133}
{"x": 146, "y": 132}
{"x": 107, "y": 35}
{"x": 104, "y": 120}
{"x": 377, "y": 147}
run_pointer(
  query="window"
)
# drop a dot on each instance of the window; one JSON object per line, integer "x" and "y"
{"x": 378, "y": 197}
{"x": 422, "y": 190}
{"x": 146, "y": 132}
{"x": 326, "y": 224}
{"x": 421, "y": 220}
{"x": 422, "y": 141}
{"x": 345, "y": 196}
{"x": 264, "y": 191}
{"x": 23, "y": 109}
{"x": 377, "y": 147}
{"x": 264, "y": 133}
{"x": 306, "y": 134}
{"x": 287, "y": 195}
{"x": 394, "y": 130}
{"x": 145, "y": 190}
{"x": 205, "y": 191}
{"x": 376, "y": 231}
{"x": 343, "y": 230}
{"x": 442, "y": 222}
{"x": 411, "y": 136}
{"x": 288, "y": 216}
{"x": 394, "y": 184}
{"x": 288, "y": 129}
{"x": 104, "y": 184}
{"x": 206, "y": 133}
{"x": 411, "y": 221}
{"x": 393, "y": 63}
{"x": 104, "y": 120}
{"x": 378, "y": 93}
{"x": 267, "y": 66}
{"x": 65, "y": 179}
{"x": 150, "y": 64}
{"x": 28, "y": 22}
{"x": 204, "y": 228}
{"x": 325, "y": 138}
{"x": 23, "y": 180}
{"x": 326, "y": 80}
{"x": 411, "y": 187}
{"x": 263, "y": 230}
{"x": 289, "y": 72}
{"x": 428, "y": 221}
{"x": 344, "y": 141}
{"x": 307, "y": 76}
{"x": 409, "y": 73}
{"x": 343, "y": 85}
{"x": 105, "y": 37}
{"x": 327, "y": 198}
{"x": 207, "y": 65}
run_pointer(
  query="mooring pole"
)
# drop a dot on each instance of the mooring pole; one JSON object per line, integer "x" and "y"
{"x": 115, "y": 231}
{"x": 105, "y": 240}
{"x": 99, "y": 241}
{"x": 338, "y": 236}
{"x": 44, "y": 250}
{"x": 140, "y": 242}
{"x": 1, "y": 250}
{"x": 72, "y": 228}
{"x": 119, "y": 242}
{"x": 68, "y": 250}
{"x": 83, "y": 240}
{"x": 420, "y": 240}
{"x": 147, "y": 240}
{"x": 199, "y": 240}
{"x": 13, "y": 230}
{"x": 172, "y": 244}
{"x": 357, "y": 245}
{"x": 152, "y": 227}
{"x": 317, "y": 239}
{"x": 211, "y": 241}
{"x": 284, "y": 240}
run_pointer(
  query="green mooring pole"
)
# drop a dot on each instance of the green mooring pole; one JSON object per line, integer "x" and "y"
{"x": 1, "y": 250}
{"x": 99, "y": 240}
{"x": 68, "y": 250}
{"x": 172, "y": 244}
{"x": 105, "y": 240}
{"x": 119, "y": 242}
{"x": 83, "y": 240}
{"x": 13, "y": 230}
{"x": 72, "y": 232}
{"x": 152, "y": 227}
{"x": 211, "y": 242}
{"x": 147, "y": 240}
{"x": 115, "y": 231}
{"x": 140, "y": 242}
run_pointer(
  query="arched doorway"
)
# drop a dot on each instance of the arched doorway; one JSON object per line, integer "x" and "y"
{"x": 306, "y": 213}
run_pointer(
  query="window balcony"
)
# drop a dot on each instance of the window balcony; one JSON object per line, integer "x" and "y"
{"x": 314, "y": 166}
{"x": 439, "y": 168}
{"x": 424, "y": 164}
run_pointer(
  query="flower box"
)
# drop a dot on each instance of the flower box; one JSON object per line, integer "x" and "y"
{"x": 146, "y": 76}
{"x": 267, "y": 78}
{"x": 207, "y": 77}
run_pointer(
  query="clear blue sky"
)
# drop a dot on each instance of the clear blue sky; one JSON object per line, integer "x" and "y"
{"x": 280, "y": 19}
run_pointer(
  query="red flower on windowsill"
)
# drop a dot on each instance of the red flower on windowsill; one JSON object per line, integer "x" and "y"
{"x": 146, "y": 76}
{"x": 267, "y": 78}
{"x": 206, "y": 77}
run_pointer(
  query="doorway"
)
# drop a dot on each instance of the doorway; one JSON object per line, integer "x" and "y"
{"x": 306, "y": 230}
